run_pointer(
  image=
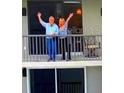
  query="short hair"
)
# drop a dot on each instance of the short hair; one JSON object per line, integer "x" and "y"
{"x": 51, "y": 17}
{"x": 63, "y": 19}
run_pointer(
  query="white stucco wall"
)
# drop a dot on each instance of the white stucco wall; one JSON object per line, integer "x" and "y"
{"x": 24, "y": 28}
{"x": 24, "y": 19}
{"x": 94, "y": 79}
{"x": 24, "y": 85}
{"x": 92, "y": 24}
{"x": 92, "y": 19}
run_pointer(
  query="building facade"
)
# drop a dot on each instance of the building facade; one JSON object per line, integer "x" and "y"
{"x": 83, "y": 73}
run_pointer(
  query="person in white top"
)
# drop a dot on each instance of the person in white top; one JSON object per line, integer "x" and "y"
{"x": 51, "y": 32}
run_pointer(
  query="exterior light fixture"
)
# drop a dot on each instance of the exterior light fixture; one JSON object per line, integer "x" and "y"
{"x": 78, "y": 11}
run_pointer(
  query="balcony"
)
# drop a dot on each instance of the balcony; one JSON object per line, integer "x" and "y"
{"x": 77, "y": 47}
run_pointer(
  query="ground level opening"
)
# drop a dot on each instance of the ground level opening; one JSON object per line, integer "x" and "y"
{"x": 57, "y": 80}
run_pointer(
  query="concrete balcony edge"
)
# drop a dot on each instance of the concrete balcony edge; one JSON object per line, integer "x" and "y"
{"x": 62, "y": 64}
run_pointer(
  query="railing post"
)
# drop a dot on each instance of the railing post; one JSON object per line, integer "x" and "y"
{"x": 36, "y": 41}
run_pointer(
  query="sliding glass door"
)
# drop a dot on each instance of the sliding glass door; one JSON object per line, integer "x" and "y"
{"x": 70, "y": 80}
{"x": 42, "y": 81}
{"x": 57, "y": 81}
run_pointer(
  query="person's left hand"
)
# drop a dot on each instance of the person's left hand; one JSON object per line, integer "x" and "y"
{"x": 71, "y": 14}
{"x": 39, "y": 14}
{"x": 53, "y": 34}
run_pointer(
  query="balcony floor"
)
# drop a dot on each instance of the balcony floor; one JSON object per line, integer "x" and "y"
{"x": 74, "y": 57}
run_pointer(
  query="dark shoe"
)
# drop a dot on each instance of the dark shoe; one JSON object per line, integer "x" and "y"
{"x": 54, "y": 60}
{"x": 49, "y": 59}
{"x": 68, "y": 59}
{"x": 62, "y": 58}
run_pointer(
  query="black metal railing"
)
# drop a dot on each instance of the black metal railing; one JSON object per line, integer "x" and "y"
{"x": 74, "y": 47}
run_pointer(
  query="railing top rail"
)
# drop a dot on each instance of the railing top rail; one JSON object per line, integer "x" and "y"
{"x": 58, "y": 35}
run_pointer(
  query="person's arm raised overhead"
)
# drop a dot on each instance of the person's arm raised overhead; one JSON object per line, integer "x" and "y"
{"x": 40, "y": 20}
{"x": 67, "y": 20}
{"x": 69, "y": 17}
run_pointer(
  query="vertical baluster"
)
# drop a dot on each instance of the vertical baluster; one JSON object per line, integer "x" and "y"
{"x": 84, "y": 47}
{"x": 43, "y": 48}
{"x": 81, "y": 46}
{"x": 74, "y": 48}
{"x": 97, "y": 47}
{"x": 58, "y": 39}
{"x": 29, "y": 42}
{"x": 70, "y": 41}
{"x": 61, "y": 48}
{"x": 78, "y": 47}
{"x": 40, "y": 48}
{"x": 76, "y": 43}
{"x": 70, "y": 47}
{"x": 46, "y": 47}
{"x": 56, "y": 47}
{"x": 94, "y": 49}
{"x": 36, "y": 48}
{"x": 64, "y": 47}
{"x": 33, "y": 49}
{"x": 89, "y": 50}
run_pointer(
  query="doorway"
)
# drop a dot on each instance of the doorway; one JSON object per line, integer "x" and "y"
{"x": 42, "y": 81}
{"x": 64, "y": 81}
{"x": 56, "y": 8}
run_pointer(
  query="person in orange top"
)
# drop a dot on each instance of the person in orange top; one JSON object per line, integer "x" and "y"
{"x": 63, "y": 31}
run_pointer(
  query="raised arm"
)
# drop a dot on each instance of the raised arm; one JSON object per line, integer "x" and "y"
{"x": 40, "y": 20}
{"x": 69, "y": 17}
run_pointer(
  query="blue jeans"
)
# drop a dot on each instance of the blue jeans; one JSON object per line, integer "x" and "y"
{"x": 51, "y": 48}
